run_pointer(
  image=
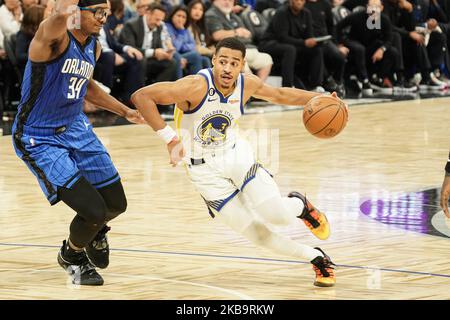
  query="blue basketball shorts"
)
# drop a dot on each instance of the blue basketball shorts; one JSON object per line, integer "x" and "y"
{"x": 59, "y": 157}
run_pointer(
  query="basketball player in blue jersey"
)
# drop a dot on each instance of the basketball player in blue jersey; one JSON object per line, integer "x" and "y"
{"x": 222, "y": 166}
{"x": 52, "y": 135}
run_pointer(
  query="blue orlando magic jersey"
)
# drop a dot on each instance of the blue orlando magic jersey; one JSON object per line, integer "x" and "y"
{"x": 53, "y": 92}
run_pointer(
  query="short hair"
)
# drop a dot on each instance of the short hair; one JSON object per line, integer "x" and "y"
{"x": 231, "y": 43}
{"x": 156, "y": 6}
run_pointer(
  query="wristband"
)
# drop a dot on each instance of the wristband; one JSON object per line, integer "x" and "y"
{"x": 167, "y": 134}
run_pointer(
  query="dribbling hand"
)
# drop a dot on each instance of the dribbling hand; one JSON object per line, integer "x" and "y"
{"x": 176, "y": 151}
{"x": 334, "y": 95}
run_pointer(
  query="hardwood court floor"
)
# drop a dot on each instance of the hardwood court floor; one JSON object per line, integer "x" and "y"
{"x": 167, "y": 247}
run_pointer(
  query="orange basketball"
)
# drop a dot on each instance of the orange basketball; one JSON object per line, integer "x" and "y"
{"x": 325, "y": 116}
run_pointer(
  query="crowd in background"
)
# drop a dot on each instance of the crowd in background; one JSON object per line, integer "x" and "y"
{"x": 366, "y": 45}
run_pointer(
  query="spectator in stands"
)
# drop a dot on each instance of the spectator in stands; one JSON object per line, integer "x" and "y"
{"x": 28, "y": 3}
{"x": 10, "y": 17}
{"x": 130, "y": 10}
{"x": 409, "y": 43}
{"x": 221, "y": 23}
{"x": 427, "y": 14}
{"x": 196, "y": 25}
{"x": 261, "y": 5}
{"x": 115, "y": 21}
{"x": 186, "y": 53}
{"x": 2, "y": 57}
{"x": 31, "y": 19}
{"x": 141, "y": 6}
{"x": 334, "y": 56}
{"x": 119, "y": 59}
{"x": 370, "y": 44}
{"x": 149, "y": 34}
{"x": 290, "y": 38}
{"x": 2, "y": 50}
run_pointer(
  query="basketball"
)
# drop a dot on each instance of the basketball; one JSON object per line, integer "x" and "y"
{"x": 325, "y": 116}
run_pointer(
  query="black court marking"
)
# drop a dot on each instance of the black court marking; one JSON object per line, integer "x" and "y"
{"x": 194, "y": 254}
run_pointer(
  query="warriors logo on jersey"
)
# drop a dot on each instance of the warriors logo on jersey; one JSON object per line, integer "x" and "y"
{"x": 213, "y": 129}
{"x": 210, "y": 125}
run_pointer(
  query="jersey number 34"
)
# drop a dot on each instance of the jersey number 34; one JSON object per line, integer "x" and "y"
{"x": 75, "y": 86}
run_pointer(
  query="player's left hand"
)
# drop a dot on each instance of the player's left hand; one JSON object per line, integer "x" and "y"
{"x": 445, "y": 195}
{"x": 135, "y": 116}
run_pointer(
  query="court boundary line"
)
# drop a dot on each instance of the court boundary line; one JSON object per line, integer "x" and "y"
{"x": 208, "y": 255}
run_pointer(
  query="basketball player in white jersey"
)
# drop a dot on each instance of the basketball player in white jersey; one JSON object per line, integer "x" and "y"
{"x": 236, "y": 189}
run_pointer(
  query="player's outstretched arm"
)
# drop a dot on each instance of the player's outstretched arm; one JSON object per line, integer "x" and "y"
{"x": 284, "y": 96}
{"x": 101, "y": 99}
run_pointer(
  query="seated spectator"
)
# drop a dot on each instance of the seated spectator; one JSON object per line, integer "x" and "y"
{"x": 115, "y": 21}
{"x": 149, "y": 34}
{"x": 426, "y": 15}
{"x": 409, "y": 43}
{"x": 334, "y": 56}
{"x": 221, "y": 23}
{"x": 186, "y": 53}
{"x": 2, "y": 61}
{"x": 130, "y": 10}
{"x": 141, "y": 6}
{"x": 120, "y": 59}
{"x": 28, "y": 3}
{"x": 2, "y": 50}
{"x": 290, "y": 38}
{"x": 196, "y": 25}
{"x": 261, "y": 5}
{"x": 31, "y": 19}
{"x": 370, "y": 44}
{"x": 10, "y": 17}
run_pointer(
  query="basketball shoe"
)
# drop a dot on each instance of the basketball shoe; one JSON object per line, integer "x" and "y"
{"x": 315, "y": 220}
{"x": 78, "y": 267}
{"x": 98, "y": 249}
{"x": 323, "y": 267}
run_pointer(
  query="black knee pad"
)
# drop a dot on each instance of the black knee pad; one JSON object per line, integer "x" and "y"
{"x": 115, "y": 199}
{"x": 86, "y": 201}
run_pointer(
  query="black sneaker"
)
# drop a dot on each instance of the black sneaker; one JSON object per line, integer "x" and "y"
{"x": 340, "y": 91}
{"x": 430, "y": 86}
{"x": 367, "y": 89}
{"x": 404, "y": 87}
{"x": 330, "y": 84}
{"x": 382, "y": 85}
{"x": 98, "y": 249}
{"x": 78, "y": 267}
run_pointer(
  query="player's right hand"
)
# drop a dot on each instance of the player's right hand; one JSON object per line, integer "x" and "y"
{"x": 176, "y": 151}
{"x": 334, "y": 95}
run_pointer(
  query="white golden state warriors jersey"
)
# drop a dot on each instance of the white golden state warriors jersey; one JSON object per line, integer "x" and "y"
{"x": 211, "y": 126}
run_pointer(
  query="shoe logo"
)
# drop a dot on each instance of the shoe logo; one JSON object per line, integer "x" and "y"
{"x": 90, "y": 51}
{"x": 32, "y": 142}
{"x": 86, "y": 124}
{"x": 211, "y": 100}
